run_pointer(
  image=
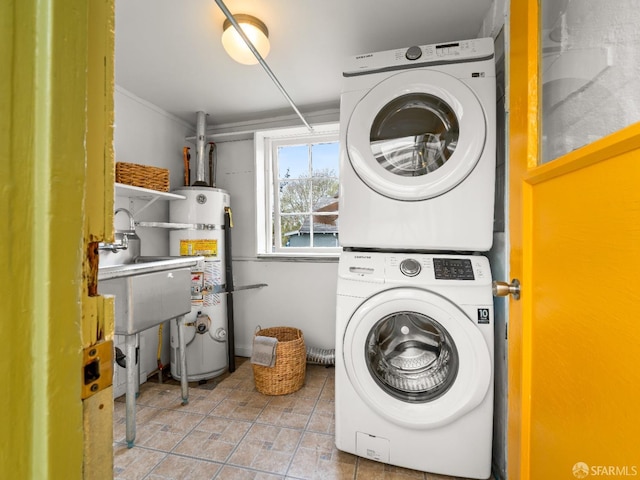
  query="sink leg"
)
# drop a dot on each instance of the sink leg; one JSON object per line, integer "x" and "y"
{"x": 131, "y": 342}
{"x": 184, "y": 384}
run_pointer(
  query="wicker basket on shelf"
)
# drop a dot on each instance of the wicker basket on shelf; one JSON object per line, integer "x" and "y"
{"x": 288, "y": 373}
{"x": 144, "y": 176}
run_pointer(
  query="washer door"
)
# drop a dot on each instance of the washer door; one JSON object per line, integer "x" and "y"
{"x": 415, "y": 358}
{"x": 416, "y": 135}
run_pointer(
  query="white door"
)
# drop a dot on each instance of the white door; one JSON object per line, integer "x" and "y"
{"x": 416, "y": 135}
{"x": 415, "y": 358}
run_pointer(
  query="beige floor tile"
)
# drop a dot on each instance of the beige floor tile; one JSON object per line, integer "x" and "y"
{"x": 178, "y": 421}
{"x": 143, "y": 415}
{"x": 321, "y": 422}
{"x": 237, "y": 410}
{"x": 307, "y": 392}
{"x": 164, "y": 430}
{"x": 248, "y": 385}
{"x": 328, "y": 391}
{"x": 281, "y": 439}
{"x": 325, "y": 406}
{"x": 199, "y": 401}
{"x": 157, "y": 437}
{"x": 251, "y": 399}
{"x": 370, "y": 470}
{"x": 224, "y": 430}
{"x": 167, "y": 397}
{"x": 174, "y": 467}
{"x": 232, "y": 382}
{"x": 236, "y": 473}
{"x": 134, "y": 463}
{"x": 314, "y": 380}
{"x": 201, "y": 445}
{"x": 267, "y": 448}
{"x": 285, "y": 416}
{"x": 310, "y": 464}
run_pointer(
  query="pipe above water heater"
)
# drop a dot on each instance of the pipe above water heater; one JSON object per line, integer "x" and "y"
{"x": 201, "y": 135}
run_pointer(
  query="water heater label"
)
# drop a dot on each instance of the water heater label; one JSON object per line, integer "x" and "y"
{"x": 206, "y": 247}
{"x": 197, "y": 287}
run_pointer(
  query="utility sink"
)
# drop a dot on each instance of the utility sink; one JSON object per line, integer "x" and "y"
{"x": 148, "y": 291}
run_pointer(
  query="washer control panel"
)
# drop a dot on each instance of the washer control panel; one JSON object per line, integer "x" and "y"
{"x": 414, "y": 268}
{"x": 453, "y": 269}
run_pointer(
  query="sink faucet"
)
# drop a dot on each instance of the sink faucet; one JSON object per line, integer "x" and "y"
{"x": 132, "y": 223}
{"x": 121, "y": 243}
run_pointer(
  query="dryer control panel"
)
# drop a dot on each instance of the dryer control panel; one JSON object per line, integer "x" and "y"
{"x": 477, "y": 49}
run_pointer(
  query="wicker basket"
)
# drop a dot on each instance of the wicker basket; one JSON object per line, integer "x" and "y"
{"x": 144, "y": 176}
{"x": 287, "y": 375}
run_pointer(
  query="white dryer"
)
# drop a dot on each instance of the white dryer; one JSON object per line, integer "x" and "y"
{"x": 414, "y": 361}
{"x": 418, "y": 148}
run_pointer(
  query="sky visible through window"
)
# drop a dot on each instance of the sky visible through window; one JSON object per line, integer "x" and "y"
{"x": 294, "y": 159}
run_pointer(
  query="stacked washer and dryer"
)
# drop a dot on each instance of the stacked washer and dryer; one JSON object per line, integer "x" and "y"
{"x": 414, "y": 341}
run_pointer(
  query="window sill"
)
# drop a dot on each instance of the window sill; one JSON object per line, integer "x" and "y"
{"x": 299, "y": 257}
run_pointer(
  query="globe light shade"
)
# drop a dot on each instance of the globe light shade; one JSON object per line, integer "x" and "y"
{"x": 235, "y": 46}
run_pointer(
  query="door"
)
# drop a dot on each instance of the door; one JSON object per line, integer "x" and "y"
{"x": 417, "y": 134}
{"x": 415, "y": 358}
{"x": 574, "y": 340}
{"x": 56, "y": 88}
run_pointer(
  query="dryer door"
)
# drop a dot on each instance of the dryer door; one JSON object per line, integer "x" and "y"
{"x": 416, "y": 135}
{"x": 415, "y": 358}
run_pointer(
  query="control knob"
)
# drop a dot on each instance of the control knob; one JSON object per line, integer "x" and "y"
{"x": 413, "y": 53}
{"x": 410, "y": 267}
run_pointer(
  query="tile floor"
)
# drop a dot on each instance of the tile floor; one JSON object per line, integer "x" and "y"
{"x": 230, "y": 431}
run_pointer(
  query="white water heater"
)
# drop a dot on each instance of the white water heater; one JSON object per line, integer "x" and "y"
{"x": 199, "y": 230}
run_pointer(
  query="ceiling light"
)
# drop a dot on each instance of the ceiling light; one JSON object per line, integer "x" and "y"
{"x": 235, "y": 46}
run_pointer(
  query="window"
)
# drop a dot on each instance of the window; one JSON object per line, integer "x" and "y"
{"x": 297, "y": 183}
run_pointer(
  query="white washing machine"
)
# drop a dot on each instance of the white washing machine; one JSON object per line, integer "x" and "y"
{"x": 418, "y": 148}
{"x": 414, "y": 361}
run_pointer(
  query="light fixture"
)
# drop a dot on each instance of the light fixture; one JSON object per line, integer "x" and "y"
{"x": 235, "y": 46}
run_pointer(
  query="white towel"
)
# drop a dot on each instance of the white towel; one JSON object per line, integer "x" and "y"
{"x": 264, "y": 351}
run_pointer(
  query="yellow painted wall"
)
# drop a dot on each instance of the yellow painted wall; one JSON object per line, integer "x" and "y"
{"x": 44, "y": 50}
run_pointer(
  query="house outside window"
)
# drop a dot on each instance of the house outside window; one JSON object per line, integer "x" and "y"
{"x": 297, "y": 183}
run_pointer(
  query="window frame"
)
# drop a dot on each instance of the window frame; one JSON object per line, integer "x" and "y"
{"x": 266, "y": 143}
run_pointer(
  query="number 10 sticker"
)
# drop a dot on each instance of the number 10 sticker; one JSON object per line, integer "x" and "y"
{"x": 483, "y": 315}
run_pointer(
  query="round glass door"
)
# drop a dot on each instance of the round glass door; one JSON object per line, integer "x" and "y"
{"x": 416, "y": 135}
{"x": 411, "y": 356}
{"x": 415, "y": 358}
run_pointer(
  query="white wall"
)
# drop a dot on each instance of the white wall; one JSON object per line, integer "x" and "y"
{"x": 147, "y": 135}
{"x": 299, "y": 294}
{"x": 494, "y": 20}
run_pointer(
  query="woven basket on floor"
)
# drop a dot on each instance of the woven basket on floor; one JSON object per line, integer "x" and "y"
{"x": 287, "y": 375}
{"x": 143, "y": 176}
